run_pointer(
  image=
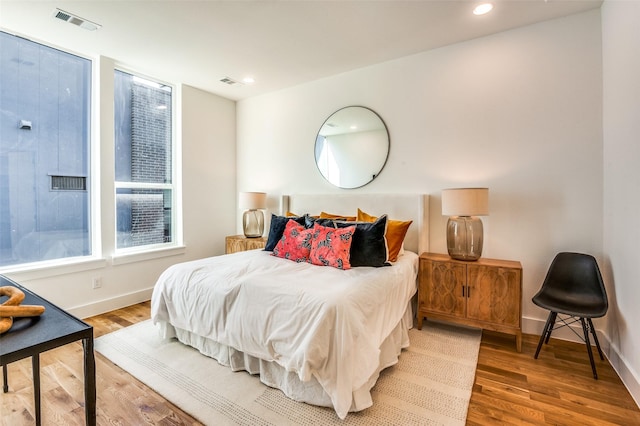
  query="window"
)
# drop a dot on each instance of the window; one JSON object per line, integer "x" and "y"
{"x": 45, "y": 110}
{"x": 143, "y": 163}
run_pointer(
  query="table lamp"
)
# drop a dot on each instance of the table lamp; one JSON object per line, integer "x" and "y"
{"x": 252, "y": 218}
{"x": 464, "y": 229}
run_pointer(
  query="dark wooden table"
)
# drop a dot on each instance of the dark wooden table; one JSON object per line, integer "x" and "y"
{"x": 28, "y": 337}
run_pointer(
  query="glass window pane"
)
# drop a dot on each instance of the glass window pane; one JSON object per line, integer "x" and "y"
{"x": 143, "y": 217}
{"x": 143, "y": 130}
{"x": 45, "y": 97}
{"x": 143, "y": 158}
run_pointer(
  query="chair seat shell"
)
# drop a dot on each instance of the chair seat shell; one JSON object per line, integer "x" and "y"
{"x": 574, "y": 287}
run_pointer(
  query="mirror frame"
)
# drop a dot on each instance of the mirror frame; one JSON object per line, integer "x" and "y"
{"x": 374, "y": 176}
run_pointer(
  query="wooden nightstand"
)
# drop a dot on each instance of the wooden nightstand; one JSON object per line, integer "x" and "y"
{"x": 486, "y": 293}
{"x": 235, "y": 243}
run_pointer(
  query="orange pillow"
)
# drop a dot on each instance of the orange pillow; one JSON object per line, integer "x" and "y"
{"x": 324, "y": 215}
{"x": 290, "y": 214}
{"x": 396, "y": 231}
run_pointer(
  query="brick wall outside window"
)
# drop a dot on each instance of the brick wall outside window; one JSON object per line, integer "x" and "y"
{"x": 150, "y": 162}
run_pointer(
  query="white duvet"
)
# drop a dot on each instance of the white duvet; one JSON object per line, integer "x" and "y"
{"x": 314, "y": 321}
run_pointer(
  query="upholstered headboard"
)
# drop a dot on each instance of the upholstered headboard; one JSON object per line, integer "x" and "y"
{"x": 403, "y": 207}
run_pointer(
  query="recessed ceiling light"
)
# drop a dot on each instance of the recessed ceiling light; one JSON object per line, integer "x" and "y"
{"x": 248, "y": 80}
{"x": 483, "y": 8}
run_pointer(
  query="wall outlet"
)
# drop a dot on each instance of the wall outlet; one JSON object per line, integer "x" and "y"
{"x": 96, "y": 283}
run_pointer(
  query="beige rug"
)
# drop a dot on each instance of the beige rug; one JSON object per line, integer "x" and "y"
{"x": 430, "y": 385}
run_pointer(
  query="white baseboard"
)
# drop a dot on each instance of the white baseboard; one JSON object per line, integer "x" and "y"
{"x": 627, "y": 375}
{"x": 106, "y": 305}
{"x": 619, "y": 363}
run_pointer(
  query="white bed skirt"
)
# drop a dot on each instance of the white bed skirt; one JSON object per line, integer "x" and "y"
{"x": 274, "y": 375}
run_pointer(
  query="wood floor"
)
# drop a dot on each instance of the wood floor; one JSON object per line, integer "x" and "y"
{"x": 510, "y": 387}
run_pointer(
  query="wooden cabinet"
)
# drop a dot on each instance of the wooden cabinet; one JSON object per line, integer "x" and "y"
{"x": 486, "y": 293}
{"x": 235, "y": 243}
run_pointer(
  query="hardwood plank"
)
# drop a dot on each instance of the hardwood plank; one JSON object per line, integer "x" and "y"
{"x": 559, "y": 386}
{"x": 61, "y": 407}
{"x": 502, "y": 404}
{"x": 510, "y": 387}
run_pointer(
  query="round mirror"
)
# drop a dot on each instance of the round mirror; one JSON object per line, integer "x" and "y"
{"x": 352, "y": 147}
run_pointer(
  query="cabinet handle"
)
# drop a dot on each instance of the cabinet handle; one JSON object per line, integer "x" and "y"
{"x": 462, "y": 291}
{"x": 468, "y": 292}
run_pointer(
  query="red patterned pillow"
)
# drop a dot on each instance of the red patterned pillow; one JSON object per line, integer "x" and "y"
{"x": 295, "y": 243}
{"x": 330, "y": 246}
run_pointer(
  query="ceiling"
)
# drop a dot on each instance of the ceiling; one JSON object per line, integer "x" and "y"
{"x": 279, "y": 43}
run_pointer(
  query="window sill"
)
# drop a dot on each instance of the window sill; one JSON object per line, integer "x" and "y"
{"x": 53, "y": 268}
{"x": 124, "y": 258}
{"x": 70, "y": 266}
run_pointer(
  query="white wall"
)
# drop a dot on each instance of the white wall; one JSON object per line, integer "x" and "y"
{"x": 621, "y": 112}
{"x": 208, "y": 173}
{"x": 518, "y": 112}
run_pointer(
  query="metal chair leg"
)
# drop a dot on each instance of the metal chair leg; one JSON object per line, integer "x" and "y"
{"x": 588, "y": 343}
{"x": 548, "y": 326}
{"x": 595, "y": 338}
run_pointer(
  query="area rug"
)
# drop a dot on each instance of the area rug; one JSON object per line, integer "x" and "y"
{"x": 430, "y": 385}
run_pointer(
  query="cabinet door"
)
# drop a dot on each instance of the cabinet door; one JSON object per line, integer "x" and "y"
{"x": 234, "y": 244}
{"x": 442, "y": 289}
{"x": 254, "y": 243}
{"x": 494, "y": 294}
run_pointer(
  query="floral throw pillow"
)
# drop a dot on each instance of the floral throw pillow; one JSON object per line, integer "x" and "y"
{"x": 330, "y": 246}
{"x": 295, "y": 243}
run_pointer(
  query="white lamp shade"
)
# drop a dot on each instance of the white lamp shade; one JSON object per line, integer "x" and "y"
{"x": 252, "y": 200}
{"x": 465, "y": 202}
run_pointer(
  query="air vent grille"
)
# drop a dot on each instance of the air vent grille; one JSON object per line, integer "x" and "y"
{"x": 68, "y": 183}
{"x": 62, "y": 15}
{"x": 75, "y": 20}
{"x": 230, "y": 81}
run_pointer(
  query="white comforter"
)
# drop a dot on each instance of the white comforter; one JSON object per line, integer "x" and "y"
{"x": 312, "y": 320}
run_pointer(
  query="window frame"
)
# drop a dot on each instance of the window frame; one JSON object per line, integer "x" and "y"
{"x": 101, "y": 167}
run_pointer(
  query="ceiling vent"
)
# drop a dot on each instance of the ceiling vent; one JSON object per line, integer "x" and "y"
{"x": 75, "y": 20}
{"x": 230, "y": 81}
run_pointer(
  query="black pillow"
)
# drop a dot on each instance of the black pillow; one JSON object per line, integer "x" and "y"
{"x": 276, "y": 229}
{"x": 368, "y": 247}
{"x": 310, "y": 220}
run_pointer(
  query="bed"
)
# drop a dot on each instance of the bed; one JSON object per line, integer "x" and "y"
{"x": 320, "y": 334}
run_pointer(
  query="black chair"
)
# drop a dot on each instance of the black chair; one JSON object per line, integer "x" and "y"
{"x": 573, "y": 287}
